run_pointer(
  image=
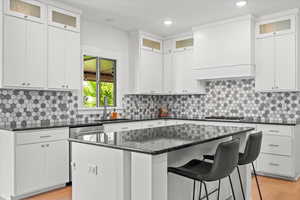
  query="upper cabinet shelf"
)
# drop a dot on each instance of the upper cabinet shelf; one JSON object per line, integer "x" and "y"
{"x": 283, "y": 25}
{"x": 63, "y": 19}
{"x": 27, "y": 9}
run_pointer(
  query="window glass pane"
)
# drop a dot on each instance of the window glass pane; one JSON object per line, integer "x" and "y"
{"x": 107, "y": 81}
{"x": 151, "y": 44}
{"x": 63, "y": 19}
{"x": 184, "y": 43}
{"x": 275, "y": 26}
{"x": 90, "y": 81}
{"x": 25, "y": 8}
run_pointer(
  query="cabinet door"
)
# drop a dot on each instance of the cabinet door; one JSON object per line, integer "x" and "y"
{"x": 150, "y": 72}
{"x": 36, "y": 55}
{"x": 26, "y": 9}
{"x": 73, "y": 60}
{"x": 285, "y": 61}
{"x": 30, "y": 164}
{"x": 63, "y": 19}
{"x": 57, "y": 163}
{"x": 56, "y": 58}
{"x": 265, "y": 66}
{"x": 14, "y": 52}
{"x": 168, "y": 74}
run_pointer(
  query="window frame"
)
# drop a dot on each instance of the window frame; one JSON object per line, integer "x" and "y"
{"x": 106, "y": 53}
{"x": 98, "y": 81}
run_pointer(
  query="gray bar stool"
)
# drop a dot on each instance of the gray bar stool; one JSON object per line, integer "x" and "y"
{"x": 250, "y": 154}
{"x": 203, "y": 172}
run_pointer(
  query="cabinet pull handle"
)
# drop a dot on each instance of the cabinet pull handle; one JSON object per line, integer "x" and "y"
{"x": 124, "y": 128}
{"x": 42, "y": 146}
{"x": 273, "y": 145}
{"x": 47, "y": 145}
{"x": 25, "y": 16}
{"x": 23, "y": 84}
{"x": 273, "y": 131}
{"x": 45, "y": 136}
{"x": 28, "y": 84}
{"x": 65, "y": 26}
{"x": 274, "y": 164}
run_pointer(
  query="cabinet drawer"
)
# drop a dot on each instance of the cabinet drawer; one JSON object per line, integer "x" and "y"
{"x": 277, "y": 165}
{"x": 277, "y": 145}
{"x": 37, "y": 136}
{"x": 276, "y": 130}
{"x": 122, "y": 126}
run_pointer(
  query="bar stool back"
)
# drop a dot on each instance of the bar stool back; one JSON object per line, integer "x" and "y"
{"x": 226, "y": 160}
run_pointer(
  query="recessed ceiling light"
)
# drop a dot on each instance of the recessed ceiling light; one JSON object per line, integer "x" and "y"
{"x": 168, "y": 22}
{"x": 241, "y": 4}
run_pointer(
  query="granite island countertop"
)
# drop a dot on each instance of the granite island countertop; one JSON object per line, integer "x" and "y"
{"x": 161, "y": 139}
{"x": 47, "y": 125}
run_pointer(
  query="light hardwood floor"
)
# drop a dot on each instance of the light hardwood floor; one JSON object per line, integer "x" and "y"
{"x": 272, "y": 189}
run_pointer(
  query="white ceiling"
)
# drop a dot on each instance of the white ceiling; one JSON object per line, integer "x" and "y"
{"x": 148, "y": 15}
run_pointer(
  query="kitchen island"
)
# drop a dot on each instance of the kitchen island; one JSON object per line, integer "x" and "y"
{"x": 132, "y": 165}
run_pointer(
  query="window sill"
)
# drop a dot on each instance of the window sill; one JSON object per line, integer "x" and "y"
{"x": 96, "y": 110}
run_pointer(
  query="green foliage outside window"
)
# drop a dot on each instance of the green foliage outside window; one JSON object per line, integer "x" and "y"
{"x": 90, "y": 93}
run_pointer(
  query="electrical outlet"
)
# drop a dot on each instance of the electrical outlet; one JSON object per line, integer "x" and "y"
{"x": 93, "y": 169}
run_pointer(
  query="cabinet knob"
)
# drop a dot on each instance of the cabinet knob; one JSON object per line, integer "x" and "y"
{"x": 65, "y": 26}
{"x": 25, "y": 16}
{"x": 28, "y": 84}
{"x": 23, "y": 84}
{"x": 63, "y": 86}
{"x": 67, "y": 86}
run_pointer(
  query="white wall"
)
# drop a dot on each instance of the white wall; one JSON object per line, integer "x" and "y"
{"x": 106, "y": 41}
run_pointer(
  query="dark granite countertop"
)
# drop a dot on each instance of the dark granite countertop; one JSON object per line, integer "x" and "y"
{"x": 23, "y": 127}
{"x": 160, "y": 140}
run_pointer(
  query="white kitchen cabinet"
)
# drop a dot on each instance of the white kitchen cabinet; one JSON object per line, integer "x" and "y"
{"x": 276, "y": 55}
{"x": 178, "y": 76}
{"x": 63, "y": 59}
{"x": 36, "y": 161}
{"x": 278, "y": 26}
{"x": 57, "y": 163}
{"x": 24, "y": 53}
{"x": 265, "y": 71}
{"x": 224, "y": 49}
{"x": 27, "y": 9}
{"x": 63, "y": 19}
{"x": 150, "y": 72}
{"x": 147, "y": 62}
{"x": 30, "y": 164}
{"x": 278, "y": 152}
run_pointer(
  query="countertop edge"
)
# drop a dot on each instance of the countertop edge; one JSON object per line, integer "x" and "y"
{"x": 160, "y": 151}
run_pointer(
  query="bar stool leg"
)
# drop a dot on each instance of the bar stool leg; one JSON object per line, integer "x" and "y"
{"x": 231, "y": 187}
{"x": 200, "y": 190}
{"x": 241, "y": 183}
{"x": 219, "y": 189}
{"x": 205, "y": 190}
{"x": 257, "y": 181}
{"x": 194, "y": 190}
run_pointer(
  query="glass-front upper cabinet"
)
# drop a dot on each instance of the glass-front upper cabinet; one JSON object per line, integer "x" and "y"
{"x": 151, "y": 44}
{"x": 185, "y": 43}
{"x": 276, "y": 27}
{"x": 63, "y": 19}
{"x": 27, "y": 9}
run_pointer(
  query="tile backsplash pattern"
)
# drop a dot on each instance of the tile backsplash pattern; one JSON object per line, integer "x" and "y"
{"x": 230, "y": 98}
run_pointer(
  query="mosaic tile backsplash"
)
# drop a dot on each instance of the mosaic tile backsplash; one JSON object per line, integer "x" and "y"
{"x": 222, "y": 98}
{"x": 229, "y": 98}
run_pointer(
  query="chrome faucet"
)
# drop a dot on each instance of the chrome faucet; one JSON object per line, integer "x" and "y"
{"x": 104, "y": 116}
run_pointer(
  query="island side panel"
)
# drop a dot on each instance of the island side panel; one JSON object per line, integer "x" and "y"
{"x": 100, "y": 173}
{"x": 149, "y": 176}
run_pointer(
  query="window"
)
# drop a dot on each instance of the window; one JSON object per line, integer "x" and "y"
{"x": 99, "y": 81}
